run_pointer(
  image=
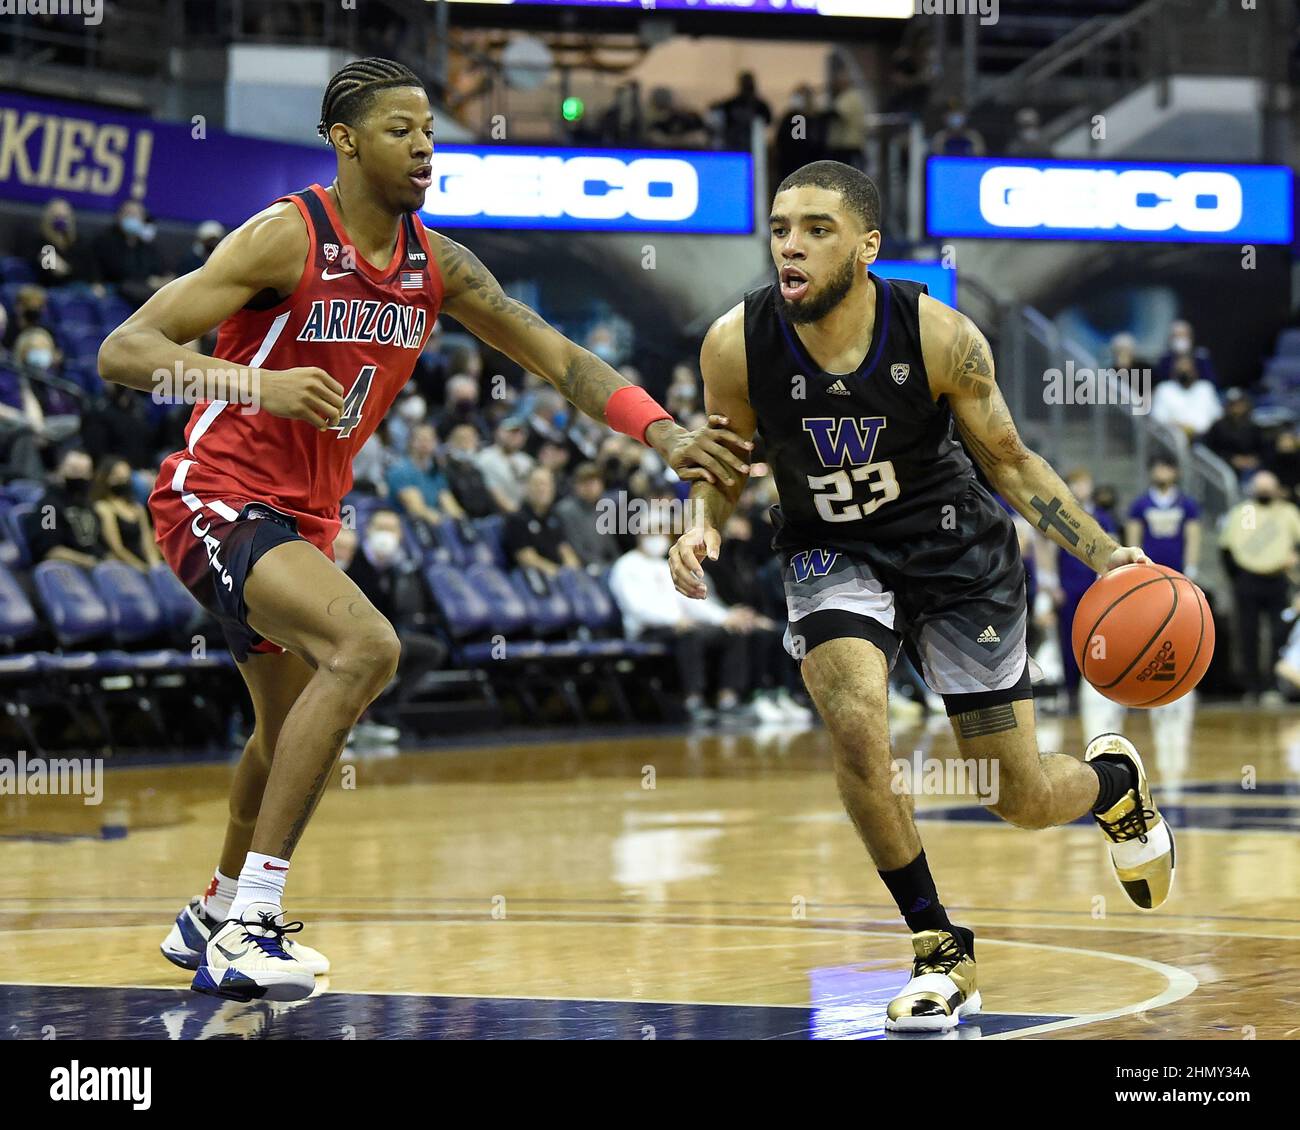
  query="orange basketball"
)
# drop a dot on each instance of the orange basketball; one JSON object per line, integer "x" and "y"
{"x": 1143, "y": 635}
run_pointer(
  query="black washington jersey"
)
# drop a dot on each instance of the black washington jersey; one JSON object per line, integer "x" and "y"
{"x": 864, "y": 457}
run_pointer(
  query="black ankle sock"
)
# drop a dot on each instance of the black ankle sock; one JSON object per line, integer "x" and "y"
{"x": 1116, "y": 777}
{"x": 918, "y": 901}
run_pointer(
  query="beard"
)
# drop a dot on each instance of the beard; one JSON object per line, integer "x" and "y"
{"x": 814, "y": 307}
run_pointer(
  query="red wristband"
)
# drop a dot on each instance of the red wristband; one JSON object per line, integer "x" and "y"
{"x": 631, "y": 410}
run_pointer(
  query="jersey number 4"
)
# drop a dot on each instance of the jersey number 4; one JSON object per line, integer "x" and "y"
{"x": 354, "y": 402}
{"x": 829, "y": 491}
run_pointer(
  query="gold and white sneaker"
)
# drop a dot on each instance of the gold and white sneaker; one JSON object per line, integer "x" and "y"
{"x": 1141, "y": 844}
{"x": 245, "y": 959}
{"x": 188, "y": 939}
{"x": 942, "y": 989}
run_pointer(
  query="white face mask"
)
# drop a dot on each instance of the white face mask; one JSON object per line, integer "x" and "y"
{"x": 382, "y": 545}
{"x": 413, "y": 409}
{"x": 1180, "y": 344}
{"x": 655, "y": 545}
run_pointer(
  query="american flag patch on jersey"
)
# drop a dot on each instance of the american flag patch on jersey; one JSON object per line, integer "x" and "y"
{"x": 412, "y": 280}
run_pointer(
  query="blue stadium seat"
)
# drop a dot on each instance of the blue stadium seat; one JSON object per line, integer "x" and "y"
{"x": 71, "y": 305}
{"x": 14, "y": 270}
{"x": 507, "y": 612}
{"x": 549, "y": 609}
{"x": 179, "y": 608}
{"x": 492, "y": 531}
{"x": 1288, "y": 343}
{"x": 15, "y": 520}
{"x": 79, "y": 340}
{"x": 593, "y": 607}
{"x": 133, "y": 609}
{"x": 465, "y": 611}
{"x": 23, "y": 490}
{"x": 113, "y": 311}
{"x": 18, "y": 620}
{"x": 1282, "y": 372}
{"x": 74, "y": 609}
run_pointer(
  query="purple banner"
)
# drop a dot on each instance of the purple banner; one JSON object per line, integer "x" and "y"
{"x": 96, "y": 158}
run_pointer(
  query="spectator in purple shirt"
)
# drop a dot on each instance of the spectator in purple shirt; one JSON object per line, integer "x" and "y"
{"x": 1165, "y": 522}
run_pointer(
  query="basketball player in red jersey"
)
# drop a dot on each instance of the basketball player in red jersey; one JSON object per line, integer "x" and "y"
{"x": 324, "y": 302}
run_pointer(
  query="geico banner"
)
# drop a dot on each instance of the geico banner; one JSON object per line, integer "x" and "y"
{"x": 1154, "y": 203}
{"x": 95, "y": 158}
{"x": 590, "y": 189}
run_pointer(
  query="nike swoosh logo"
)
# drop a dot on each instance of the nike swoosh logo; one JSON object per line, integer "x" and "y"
{"x": 325, "y": 274}
{"x": 230, "y": 956}
{"x": 273, "y": 867}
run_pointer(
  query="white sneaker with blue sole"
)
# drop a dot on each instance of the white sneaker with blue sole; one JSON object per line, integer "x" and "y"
{"x": 188, "y": 938}
{"x": 245, "y": 959}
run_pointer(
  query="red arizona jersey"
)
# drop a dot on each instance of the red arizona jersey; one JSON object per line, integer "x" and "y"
{"x": 363, "y": 325}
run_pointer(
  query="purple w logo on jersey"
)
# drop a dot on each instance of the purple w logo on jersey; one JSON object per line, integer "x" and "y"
{"x": 844, "y": 441}
{"x": 812, "y": 563}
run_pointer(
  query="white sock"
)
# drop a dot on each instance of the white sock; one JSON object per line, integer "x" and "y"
{"x": 261, "y": 880}
{"x": 217, "y": 898}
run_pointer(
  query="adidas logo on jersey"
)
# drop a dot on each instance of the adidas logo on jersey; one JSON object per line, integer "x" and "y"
{"x": 838, "y": 389}
{"x": 988, "y": 635}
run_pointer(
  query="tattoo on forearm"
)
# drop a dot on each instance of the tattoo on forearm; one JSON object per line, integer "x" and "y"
{"x": 313, "y": 794}
{"x": 972, "y": 369}
{"x": 990, "y": 720}
{"x": 588, "y": 383}
{"x": 1052, "y": 517}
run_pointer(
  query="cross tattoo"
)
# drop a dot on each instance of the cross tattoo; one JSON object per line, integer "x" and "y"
{"x": 1051, "y": 517}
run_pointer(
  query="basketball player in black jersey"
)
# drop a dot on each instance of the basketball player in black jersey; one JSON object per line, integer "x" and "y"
{"x": 859, "y": 388}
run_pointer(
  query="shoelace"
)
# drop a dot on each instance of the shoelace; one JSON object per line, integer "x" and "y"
{"x": 1132, "y": 825}
{"x": 272, "y": 944}
{"x": 942, "y": 960}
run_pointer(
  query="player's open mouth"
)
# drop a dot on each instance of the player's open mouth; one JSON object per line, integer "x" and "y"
{"x": 422, "y": 177}
{"x": 794, "y": 284}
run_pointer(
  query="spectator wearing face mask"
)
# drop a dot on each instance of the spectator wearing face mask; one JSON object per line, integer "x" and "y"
{"x": 126, "y": 256}
{"x": 1260, "y": 543}
{"x": 956, "y": 139}
{"x": 418, "y": 485}
{"x": 34, "y": 414}
{"x": 467, "y": 483}
{"x": 1235, "y": 437}
{"x": 124, "y": 522}
{"x": 1028, "y": 140}
{"x": 64, "y": 525}
{"x": 31, "y": 312}
{"x": 592, "y": 534}
{"x": 506, "y": 465}
{"x": 1188, "y": 403}
{"x": 1123, "y": 348}
{"x": 390, "y": 579}
{"x": 547, "y": 422}
{"x": 1184, "y": 358}
{"x": 534, "y": 534}
{"x": 462, "y": 406}
{"x": 411, "y": 409}
{"x": 52, "y": 249}
{"x": 653, "y": 609}
{"x": 206, "y": 237}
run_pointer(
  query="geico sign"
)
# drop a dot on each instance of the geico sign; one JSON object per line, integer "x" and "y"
{"x": 586, "y": 188}
{"x": 1136, "y": 199}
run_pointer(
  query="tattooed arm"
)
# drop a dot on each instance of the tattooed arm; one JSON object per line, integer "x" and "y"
{"x": 475, "y": 299}
{"x": 960, "y": 366}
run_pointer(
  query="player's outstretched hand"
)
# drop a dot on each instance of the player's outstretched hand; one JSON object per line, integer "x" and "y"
{"x": 715, "y": 453}
{"x": 685, "y": 556}
{"x": 1126, "y": 555}
{"x": 303, "y": 394}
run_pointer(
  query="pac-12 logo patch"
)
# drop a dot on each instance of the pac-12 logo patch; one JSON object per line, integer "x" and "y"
{"x": 900, "y": 372}
{"x": 331, "y": 251}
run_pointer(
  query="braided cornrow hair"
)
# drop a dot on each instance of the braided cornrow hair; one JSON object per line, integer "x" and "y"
{"x": 349, "y": 92}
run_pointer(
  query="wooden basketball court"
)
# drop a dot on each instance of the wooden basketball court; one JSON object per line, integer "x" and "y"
{"x": 663, "y": 886}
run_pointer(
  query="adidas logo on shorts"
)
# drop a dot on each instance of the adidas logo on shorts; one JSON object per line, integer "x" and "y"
{"x": 838, "y": 389}
{"x": 988, "y": 635}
